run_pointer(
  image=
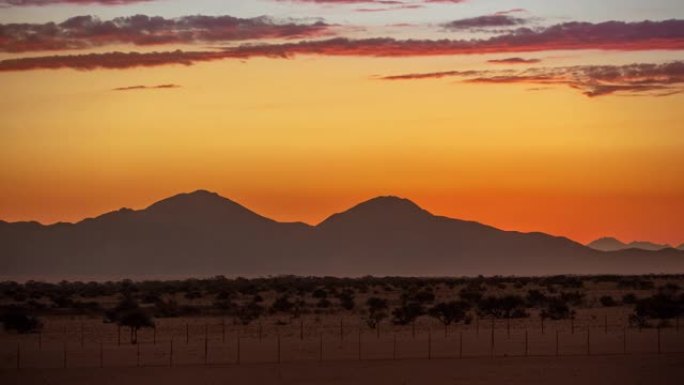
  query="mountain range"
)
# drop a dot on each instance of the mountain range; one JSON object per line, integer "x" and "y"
{"x": 204, "y": 234}
{"x": 614, "y": 244}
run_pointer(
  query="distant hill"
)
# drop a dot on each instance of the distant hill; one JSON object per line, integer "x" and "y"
{"x": 204, "y": 234}
{"x": 612, "y": 244}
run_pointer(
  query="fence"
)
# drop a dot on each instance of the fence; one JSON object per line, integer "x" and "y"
{"x": 220, "y": 344}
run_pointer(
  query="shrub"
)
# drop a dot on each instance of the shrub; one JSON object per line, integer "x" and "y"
{"x": 629, "y": 299}
{"x": 377, "y": 311}
{"x": 17, "y": 319}
{"x": 607, "y": 301}
{"x": 510, "y": 306}
{"x": 407, "y": 313}
{"x": 659, "y": 306}
{"x": 346, "y": 298}
{"x": 556, "y": 309}
{"x": 449, "y": 312}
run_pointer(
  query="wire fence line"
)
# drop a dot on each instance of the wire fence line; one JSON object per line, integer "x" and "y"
{"x": 306, "y": 343}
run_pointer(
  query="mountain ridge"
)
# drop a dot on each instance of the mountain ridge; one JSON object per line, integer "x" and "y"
{"x": 614, "y": 244}
{"x": 202, "y": 233}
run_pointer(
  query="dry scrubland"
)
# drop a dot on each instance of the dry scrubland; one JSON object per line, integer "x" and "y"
{"x": 328, "y": 330}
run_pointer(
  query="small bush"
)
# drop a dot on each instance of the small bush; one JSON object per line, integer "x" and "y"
{"x": 607, "y": 301}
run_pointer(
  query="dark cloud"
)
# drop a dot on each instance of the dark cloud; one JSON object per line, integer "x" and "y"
{"x": 488, "y": 21}
{"x": 612, "y": 35}
{"x": 633, "y": 79}
{"x": 87, "y": 31}
{"x": 514, "y": 60}
{"x": 143, "y": 87}
{"x": 28, "y": 3}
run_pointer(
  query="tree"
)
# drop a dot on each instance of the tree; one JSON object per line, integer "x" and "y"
{"x": 556, "y": 308}
{"x": 128, "y": 313}
{"x": 607, "y": 301}
{"x": 377, "y": 311}
{"x": 407, "y": 313}
{"x": 449, "y": 312}
{"x": 18, "y": 319}
{"x": 346, "y": 298}
{"x": 249, "y": 312}
{"x": 509, "y": 306}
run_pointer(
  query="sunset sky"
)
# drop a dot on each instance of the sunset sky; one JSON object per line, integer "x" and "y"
{"x": 559, "y": 116}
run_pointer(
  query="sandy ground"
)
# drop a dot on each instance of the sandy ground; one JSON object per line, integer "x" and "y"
{"x": 608, "y": 369}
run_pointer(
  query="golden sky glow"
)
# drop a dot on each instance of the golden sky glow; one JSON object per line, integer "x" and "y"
{"x": 301, "y": 138}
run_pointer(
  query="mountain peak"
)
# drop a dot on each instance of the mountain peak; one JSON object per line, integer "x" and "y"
{"x": 202, "y": 205}
{"x": 382, "y": 209}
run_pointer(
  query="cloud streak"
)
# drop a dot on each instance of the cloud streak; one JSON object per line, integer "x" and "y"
{"x": 30, "y": 3}
{"x": 514, "y": 60}
{"x": 82, "y": 32}
{"x": 592, "y": 81}
{"x": 144, "y": 87}
{"x": 612, "y": 35}
{"x": 498, "y": 20}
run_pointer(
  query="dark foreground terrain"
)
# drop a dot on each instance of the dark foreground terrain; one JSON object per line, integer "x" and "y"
{"x": 608, "y": 369}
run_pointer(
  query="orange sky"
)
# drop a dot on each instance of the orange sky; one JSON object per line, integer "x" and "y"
{"x": 316, "y": 135}
{"x": 518, "y": 146}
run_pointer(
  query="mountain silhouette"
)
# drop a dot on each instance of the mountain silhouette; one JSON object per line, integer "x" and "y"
{"x": 613, "y": 244}
{"x": 204, "y": 234}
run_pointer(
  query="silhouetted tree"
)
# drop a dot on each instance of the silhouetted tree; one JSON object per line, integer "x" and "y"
{"x": 449, "y": 312}
{"x": 16, "y": 318}
{"x": 377, "y": 311}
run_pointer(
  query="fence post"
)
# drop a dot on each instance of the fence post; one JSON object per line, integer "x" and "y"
{"x": 171, "y": 352}
{"x": 508, "y": 327}
{"x": 588, "y": 341}
{"x": 301, "y": 329}
{"x": 260, "y": 331}
{"x": 659, "y": 346}
{"x": 572, "y": 325}
{"x": 137, "y": 354}
{"x": 238, "y": 350}
{"x": 394, "y": 347}
{"x": 206, "y": 350}
{"x": 492, "y": 338}
{"x": 557, "y": 347}
{"x": 359, "y": 345}
{"x": 320, "y": 349}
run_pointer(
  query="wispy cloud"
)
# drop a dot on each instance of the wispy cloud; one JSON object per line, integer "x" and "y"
{"x": 29, "y": 3}
{"x": 88, "y": 31}
{"x": 633, "y": 79}
{"x": 488, "y": 21}
{"x": 143, "y": 87}
{"x": 514, "y": 60}
{"x": 647, "y": 35}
